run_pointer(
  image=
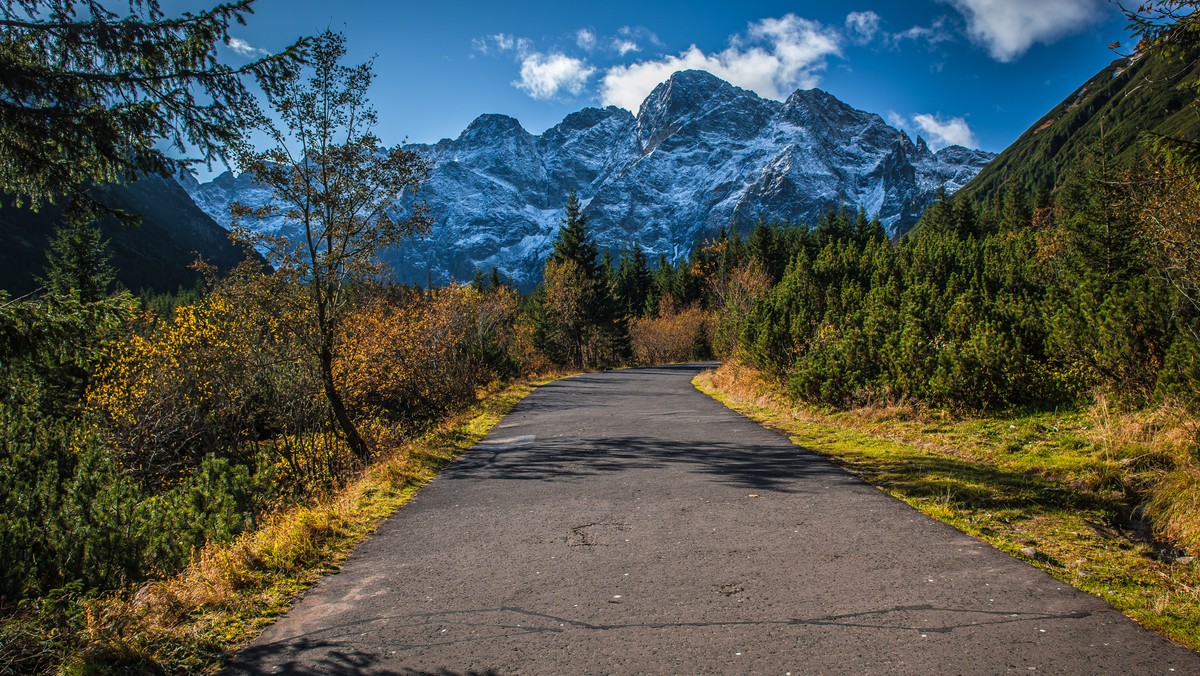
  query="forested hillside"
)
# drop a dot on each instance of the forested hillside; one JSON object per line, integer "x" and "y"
{"x": 1128, "y": 103}
{"x": 155, "y": 252}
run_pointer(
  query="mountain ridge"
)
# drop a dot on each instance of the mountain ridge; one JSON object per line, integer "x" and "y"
{"x": 156, "y": 254}
{"x": 700, "y": 155}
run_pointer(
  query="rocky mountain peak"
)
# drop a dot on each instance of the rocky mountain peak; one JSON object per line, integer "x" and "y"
{"x": 686, "y": 88}
{"x": 700, "y": 155}
{"x": 489, "y": 126}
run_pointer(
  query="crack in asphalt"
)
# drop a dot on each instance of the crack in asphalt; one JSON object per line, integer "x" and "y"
{"x": 581, "y": 536}
{"x": 511, "y": 628}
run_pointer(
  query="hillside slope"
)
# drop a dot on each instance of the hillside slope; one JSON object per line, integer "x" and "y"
{"x": 1118, "y": 107}
{"x": 154, "y": 255}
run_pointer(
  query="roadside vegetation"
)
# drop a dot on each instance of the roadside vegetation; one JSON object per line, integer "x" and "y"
{"x": 1024, "y": 366}
{"x": 193, "y": 620}
{"x": 1023, "y": 369}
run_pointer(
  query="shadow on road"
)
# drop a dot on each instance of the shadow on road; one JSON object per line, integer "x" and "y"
{"x": 636, "y": 400}
{"x": 335, "y": 658}
{"x": 506, "y": 623}
{"x": 750, "y": 467}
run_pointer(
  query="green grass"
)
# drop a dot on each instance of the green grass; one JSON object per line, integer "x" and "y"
{"x": 1052, "y": 489}
{"x": 193, "y": 622}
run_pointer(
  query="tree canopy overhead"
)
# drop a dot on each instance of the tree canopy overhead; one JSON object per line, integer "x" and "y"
{"x": 90, "y": 95}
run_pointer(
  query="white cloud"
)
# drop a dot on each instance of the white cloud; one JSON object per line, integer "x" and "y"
{"x": 500, "y": 43}
{"x": 861, "y": 27}
{"x": 625, "y": 46}
{"x": 503, "y": 41}
{"x": 938, "y": 131}
{"x": 245, "y": 48}
{"x": 585, "y": 38}
{"x": 543, "y": 76}
{"x": 932, "y": 34}
{"x": 639, "y": 33}
{"x": 631, "y": 39}
{"x": 775, "y": 57}
{"x": 945, "y": 131}
{"x": 1008, "y": 28}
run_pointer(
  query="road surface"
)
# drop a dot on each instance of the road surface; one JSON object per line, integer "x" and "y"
{"x": 623, "y": 522}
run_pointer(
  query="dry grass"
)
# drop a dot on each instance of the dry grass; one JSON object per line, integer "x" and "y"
{"x": 192, "y": 622}
{"x": 1075, "y": 486}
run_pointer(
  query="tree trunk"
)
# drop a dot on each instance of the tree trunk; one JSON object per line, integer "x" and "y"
{"x": 357, "y": 445}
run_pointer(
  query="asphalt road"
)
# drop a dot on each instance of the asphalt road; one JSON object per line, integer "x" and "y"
{"x": 625, "y": 523}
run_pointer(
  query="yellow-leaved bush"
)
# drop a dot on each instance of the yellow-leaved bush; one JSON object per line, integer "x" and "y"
{"x": 218, "y": 378}
{"x": 234, "y": 376}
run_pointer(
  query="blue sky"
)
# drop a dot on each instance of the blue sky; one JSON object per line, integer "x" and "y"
{"x": 976, "y": 72}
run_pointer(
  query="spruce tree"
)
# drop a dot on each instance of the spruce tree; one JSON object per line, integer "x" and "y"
{"x": 89, "y": 96}
{"x": 574, "y": 312}
{"x": 608, "y": 271}
{"x": 574, "y": 243}
{"x": 78, "y": 262}
{"x": 633, "y": 282}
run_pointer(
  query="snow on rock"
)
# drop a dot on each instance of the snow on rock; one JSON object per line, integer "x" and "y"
{"x": 700, "y": 155}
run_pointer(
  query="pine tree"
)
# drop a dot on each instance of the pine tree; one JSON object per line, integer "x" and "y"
{"x": 633, "y": 282}
{"x": 78, "y": 262}
{"x": 574, "y": 242}
{"x": 660, "y": 285}
{"x": 1016, "y": 213}
{"x": 90, "y": 96}
{"x": 574, "y": 312}
{"x": 1103, "y": 237}
{"x": 479, "y": 282}
{"x": 608, "y": 272}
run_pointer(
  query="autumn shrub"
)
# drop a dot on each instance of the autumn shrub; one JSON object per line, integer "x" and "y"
{"x": 734, "y": 298}
{"x": 213, "y": 380}
{"x": 409, "y": 360}
{"x": 675, "y": 335}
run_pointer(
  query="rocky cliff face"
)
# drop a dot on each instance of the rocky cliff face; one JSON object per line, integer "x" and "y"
{"x": 700, "y": 155}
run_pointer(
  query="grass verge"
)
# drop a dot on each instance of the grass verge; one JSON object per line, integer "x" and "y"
{"x": 193, "y": 622}
{"x": 1063, "y": 491}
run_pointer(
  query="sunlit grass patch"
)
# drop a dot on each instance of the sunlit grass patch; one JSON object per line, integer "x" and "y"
{"x": 1065, "y": 491}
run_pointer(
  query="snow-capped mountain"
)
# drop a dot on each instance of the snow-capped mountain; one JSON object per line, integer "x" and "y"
{"x": 700, "y": 155}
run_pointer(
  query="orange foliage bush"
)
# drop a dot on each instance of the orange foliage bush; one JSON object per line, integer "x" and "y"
{"x": 231, "y": 376}
{"x": 413, "y": 359}
{"x": 674, "y": 336}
